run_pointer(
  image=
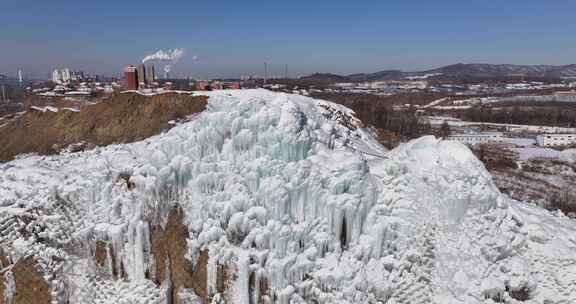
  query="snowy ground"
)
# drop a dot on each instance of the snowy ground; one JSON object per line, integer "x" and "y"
{"x": 527, "y": 149}
{"x": 454, "y": 122}
{"x": 536, "y": 152}
{"x": 448, "y": 104}
{"x": 292, "y": 190}
{"x": 521, "y": 142}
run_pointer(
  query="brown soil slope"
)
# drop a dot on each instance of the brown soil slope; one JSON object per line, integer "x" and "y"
{"x": 169, "y": 249}
{"x": 30, "y": 284}
{"x": 123, "y": 118}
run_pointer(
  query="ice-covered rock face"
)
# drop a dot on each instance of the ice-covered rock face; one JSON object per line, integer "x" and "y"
{"x": 294, "y": 195}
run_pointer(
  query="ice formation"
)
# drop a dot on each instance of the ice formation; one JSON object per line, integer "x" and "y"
{"x": 294, "y": 195}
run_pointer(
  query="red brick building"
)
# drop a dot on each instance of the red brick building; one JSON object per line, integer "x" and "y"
{"x": 131, "y": 77}
{"x": 232, "y": 85}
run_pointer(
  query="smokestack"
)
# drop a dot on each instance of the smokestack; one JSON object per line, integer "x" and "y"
{"x": 167, "y": 69}
{"x": 142, "y": 75}
{"x": 171, "y": 57}
{"x": 151, "y": 74}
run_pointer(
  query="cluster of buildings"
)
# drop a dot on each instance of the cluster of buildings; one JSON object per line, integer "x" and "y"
{"x": 421, "y": 84}
{"x": 139, "y": 77}
{"x": 19, "y": 79}
{"x": 64, "y": 76}
{"x": 79, "y": 90}
{"x": 74, "y": 84}
{"x": 382, "y": 87}
{"x": 205, "y": 85}
{"x": 143, "y": 77}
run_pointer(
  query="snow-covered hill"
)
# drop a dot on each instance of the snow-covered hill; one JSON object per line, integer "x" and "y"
{"x": 275, "y": 198}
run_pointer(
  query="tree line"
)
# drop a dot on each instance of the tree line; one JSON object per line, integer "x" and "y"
{"x": 558, "y": 116}
{"x": 393, "y": 125}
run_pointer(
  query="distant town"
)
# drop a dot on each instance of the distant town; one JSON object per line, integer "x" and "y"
{"x": 435, "y": 99}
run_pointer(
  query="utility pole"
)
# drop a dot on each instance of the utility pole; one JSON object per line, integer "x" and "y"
{"x": 4, "y": 93}
{"x": 286, "y": 71}
{"x": 265, "y": 72}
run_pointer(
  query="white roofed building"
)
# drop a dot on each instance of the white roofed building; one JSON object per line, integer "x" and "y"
{"x": 477, "y": 138}
{"x": 551, "y": 140}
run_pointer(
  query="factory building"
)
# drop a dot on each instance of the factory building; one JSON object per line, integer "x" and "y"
{"x": 139, "y": 77}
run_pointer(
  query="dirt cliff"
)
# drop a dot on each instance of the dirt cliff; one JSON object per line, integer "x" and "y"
{"x": 125, "y": 117}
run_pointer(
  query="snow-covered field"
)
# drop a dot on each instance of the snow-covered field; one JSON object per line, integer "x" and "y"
{"x": 291, "y": 191}
{"x": 454, "y": 122}
{"x": 462, "y": 104}
{"x": 521, "y": 142}
{"x": 536, "y": 152}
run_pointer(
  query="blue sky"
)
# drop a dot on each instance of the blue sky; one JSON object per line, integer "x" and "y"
{"x": 233, "y": 38}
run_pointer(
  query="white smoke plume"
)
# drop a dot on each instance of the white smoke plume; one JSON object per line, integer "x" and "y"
{"x": 169, "y": 55}
{"x": 167, "y": 68}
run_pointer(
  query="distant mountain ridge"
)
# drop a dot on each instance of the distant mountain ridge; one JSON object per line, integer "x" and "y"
{"x": 458, "y": 70}
{"x": 325, "y": 77}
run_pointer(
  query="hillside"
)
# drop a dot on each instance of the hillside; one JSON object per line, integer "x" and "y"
{"x": 382, "y": 75}
{"x": 323, "y": 78}
{"x": 501, "y": 70}
{"x": 274, "y": 198}
{"x": 122, "y": 118}
{"x": 461, "y": 70}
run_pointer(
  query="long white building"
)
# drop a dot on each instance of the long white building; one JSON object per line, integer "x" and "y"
{"x": 477, "y": 138}
{"x": 550, "y": 140}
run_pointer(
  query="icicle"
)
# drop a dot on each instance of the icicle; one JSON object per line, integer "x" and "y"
{"x": 167, "y": 284}
{"x": 9, "y": 286}
{"x": 256, "y": 294}
{"x": 212, "y": 269}
{"x": 138, "y": 247}
{"x": 242, "y": 284}
{"x": 285, "y": 294}
{"x": 379, "y": 242}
